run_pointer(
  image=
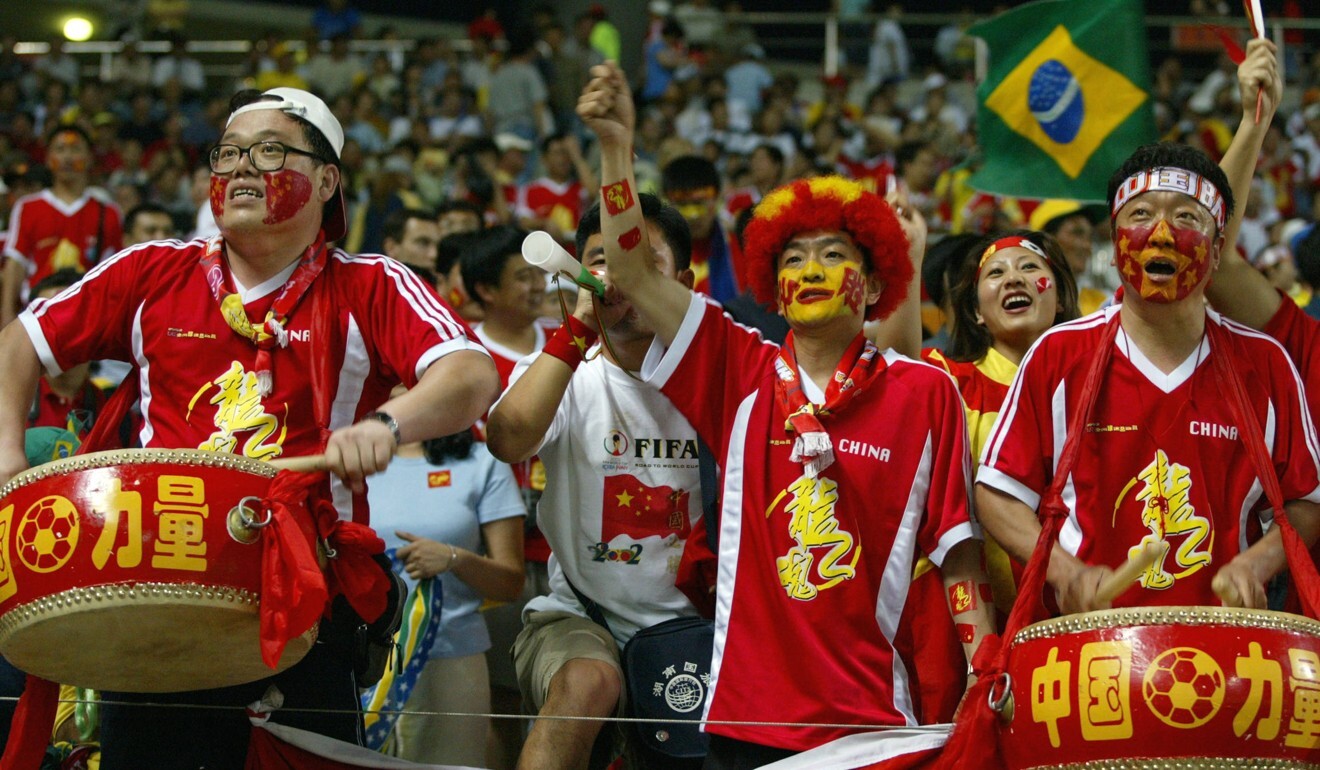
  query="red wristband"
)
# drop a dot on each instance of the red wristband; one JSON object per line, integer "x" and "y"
{"x": 569, "y": 343}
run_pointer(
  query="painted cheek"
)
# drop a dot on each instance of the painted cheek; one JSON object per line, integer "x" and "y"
{"x": 287, "y": 192}
{"x": 788, "y": 289}
{"x": 1043, "y": 284}
{"x": 851, "y": 290}
{"x": 1128, "y": 243}
{"x": 1193, "y": 244}
{"x": 219, "y": 185}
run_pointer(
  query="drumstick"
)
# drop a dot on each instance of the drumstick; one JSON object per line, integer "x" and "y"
{"x": 305, "y": 464}
{"x": 1114, "y": 585}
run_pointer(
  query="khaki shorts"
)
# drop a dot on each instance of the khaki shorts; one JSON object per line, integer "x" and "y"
{"x": 548, "y": 641}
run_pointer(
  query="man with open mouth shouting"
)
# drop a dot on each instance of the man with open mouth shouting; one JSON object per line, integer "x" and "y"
{"x": 1169, "y": 427}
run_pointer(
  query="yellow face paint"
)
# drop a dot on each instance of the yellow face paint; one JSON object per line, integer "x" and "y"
{"x": 810, "y": 293}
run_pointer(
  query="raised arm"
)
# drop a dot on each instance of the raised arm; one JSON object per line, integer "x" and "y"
{"x": 1238, "y": 290}
{"x": 901, "y": 330}
{"x": 607, "y": 109}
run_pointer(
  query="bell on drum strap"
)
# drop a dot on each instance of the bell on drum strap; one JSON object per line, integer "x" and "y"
{"x": 247, "y": 519}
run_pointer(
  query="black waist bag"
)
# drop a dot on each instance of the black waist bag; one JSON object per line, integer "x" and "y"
{"x": 667, "y": 670}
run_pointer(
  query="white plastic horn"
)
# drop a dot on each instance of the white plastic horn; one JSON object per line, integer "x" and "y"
{"x": 541, "y": 249}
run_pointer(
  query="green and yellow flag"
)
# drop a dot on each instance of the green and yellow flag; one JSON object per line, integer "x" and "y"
{"x": 1066, "y": 97}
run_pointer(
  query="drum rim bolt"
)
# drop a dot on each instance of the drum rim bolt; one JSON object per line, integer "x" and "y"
{"x": 997, "y": 704}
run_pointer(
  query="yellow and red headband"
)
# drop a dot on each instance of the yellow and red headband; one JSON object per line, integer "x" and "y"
{"x": 1008, "y": 242}
{"x": 1172, "y": 179}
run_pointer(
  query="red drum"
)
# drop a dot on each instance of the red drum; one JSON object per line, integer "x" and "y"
{"x": 1165, "y": 687}
{"x": 137, "y": 570}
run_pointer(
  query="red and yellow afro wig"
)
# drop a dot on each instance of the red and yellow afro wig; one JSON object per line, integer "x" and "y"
{"x": 827, "y": 203}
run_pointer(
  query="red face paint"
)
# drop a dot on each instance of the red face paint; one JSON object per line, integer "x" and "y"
{"x": 1187, "y": 248}
{"x": 287, "y": 192}
{"x": 788, "y": 289}
{"x": 1043, "y": 284}
{"x": 219, "y": 187}
{"x": 630, "y": 239}
{"x": 852, "y": 289}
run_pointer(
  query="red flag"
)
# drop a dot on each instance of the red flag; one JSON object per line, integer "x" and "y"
{"x": 631, "y": 508}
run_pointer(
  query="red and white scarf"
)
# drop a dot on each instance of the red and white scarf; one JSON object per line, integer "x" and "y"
{"x": 269, "y": 332}
{"x": 812, "y": 446}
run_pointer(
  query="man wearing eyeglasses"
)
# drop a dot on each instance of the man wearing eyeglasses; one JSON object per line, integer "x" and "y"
{"x": 262, "y": 341}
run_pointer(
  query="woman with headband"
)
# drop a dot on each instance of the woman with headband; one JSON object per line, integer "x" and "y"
{"x": 1008, "y": 291}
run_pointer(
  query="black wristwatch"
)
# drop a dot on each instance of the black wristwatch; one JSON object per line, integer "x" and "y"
{"x": 389, "y": 422}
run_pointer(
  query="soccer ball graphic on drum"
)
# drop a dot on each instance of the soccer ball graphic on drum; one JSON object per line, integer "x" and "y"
{"x": 1184, "y": 687}
{"x": 47, "y": 534}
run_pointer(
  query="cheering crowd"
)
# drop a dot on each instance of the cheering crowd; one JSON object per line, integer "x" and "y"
{"x": 809, "y": 384}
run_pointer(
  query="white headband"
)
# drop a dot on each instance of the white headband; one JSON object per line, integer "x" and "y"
{"x": 1173, "y": 180}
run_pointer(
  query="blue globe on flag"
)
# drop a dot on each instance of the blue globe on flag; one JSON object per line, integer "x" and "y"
{"x": 1055, "y": 100}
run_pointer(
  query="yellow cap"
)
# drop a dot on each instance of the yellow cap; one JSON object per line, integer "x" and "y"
{"x": 1050, "y": 210}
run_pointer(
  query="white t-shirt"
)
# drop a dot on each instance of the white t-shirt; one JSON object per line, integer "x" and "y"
{"x": 621, "y": 496}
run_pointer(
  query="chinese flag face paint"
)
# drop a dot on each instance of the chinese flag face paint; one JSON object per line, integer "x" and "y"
{"x": 1162, "y": 263}
{"x": 287, "y": 192}
{"x": 219, "y": 188}
{"x": 836, "y": 291}
{"x": 821, "y": 277}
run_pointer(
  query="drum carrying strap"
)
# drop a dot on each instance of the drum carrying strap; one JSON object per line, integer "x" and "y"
{"x": 1300, "y": 564}
{"x": 974, "y": 742}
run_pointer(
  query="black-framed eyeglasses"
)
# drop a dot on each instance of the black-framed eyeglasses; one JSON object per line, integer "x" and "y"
{"x": 265, "y": 156}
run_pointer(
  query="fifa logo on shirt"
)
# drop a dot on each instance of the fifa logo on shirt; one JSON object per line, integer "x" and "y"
{"x": 617, "y": 444}
{"x": 1164, "y": 491}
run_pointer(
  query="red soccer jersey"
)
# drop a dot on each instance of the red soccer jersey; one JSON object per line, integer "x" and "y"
{"x": 1161, "y": 458}
{"x": 47, "y": 234}
{"x": 152, "y": 306}
{"x": 814, "y": 573}
{"x": 983, "y": 385}
{"x": 507, "y": 358}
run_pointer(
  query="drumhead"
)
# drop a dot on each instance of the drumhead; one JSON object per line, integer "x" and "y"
{"x": 1165, "y": 616}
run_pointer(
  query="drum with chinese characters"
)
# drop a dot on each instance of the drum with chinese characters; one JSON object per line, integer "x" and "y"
{"x": 1164, "y": 687}
{"x": 137, "y": 570}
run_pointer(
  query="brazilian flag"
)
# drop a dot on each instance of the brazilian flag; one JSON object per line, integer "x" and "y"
{"x": 1066, "y": 97}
